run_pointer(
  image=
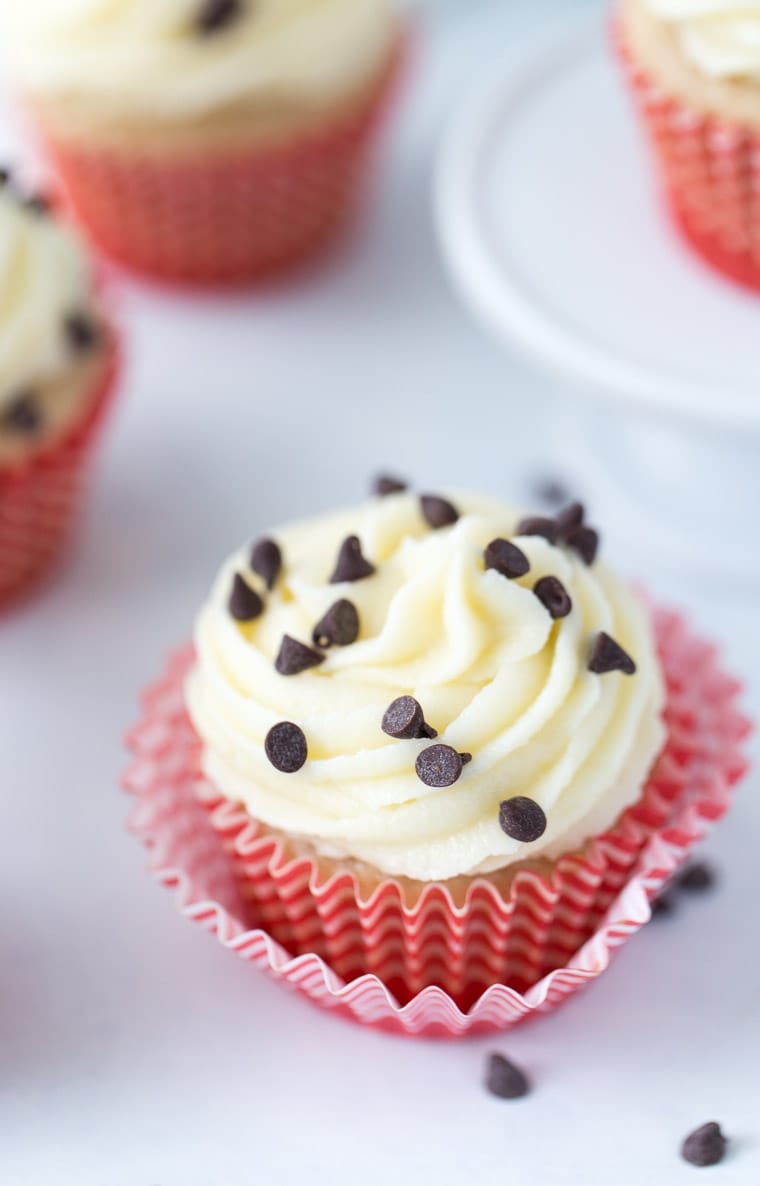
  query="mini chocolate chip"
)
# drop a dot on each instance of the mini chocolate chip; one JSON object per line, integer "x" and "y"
{"x": 705, "y": 1146}
{"x": 438, "y": 512}
{"x": 438, "y": 766}
{"x": 214, "y": 15}
{"x": 404, "y": 719}
{"x": 608, "y": 655}
{"x": 523, "y": 819}
{"x": 339, "y": 627}
{"x": 571, "y": 517}
{"x": 538, "y": 525}
{"x": 351, "y": 565}
{"x": 466, "y": 758}
{"x": 294, "y": 657}
{"x": 244, "y": 602}
{"x": 82, "y": 331}
{"x": 22, "y": 416}
{"x": 37, "y": 204}
{"x": 386, "y": 484}
{"x": 664, "y": 904}
{"x": 696, "y": 877}
{"x": 584, "y": 541}
{"x": 286, "y": 748}
{"x": 552, "y": 593}
{"x": 504, "y": 1079}
{"x": 266, "y": 560}
{"x": 507, "y": 559}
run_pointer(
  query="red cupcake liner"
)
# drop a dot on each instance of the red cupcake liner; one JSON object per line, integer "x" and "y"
{"x": 710, "y": 170}
{"x": 39, "y": 496}
{"x": 224, "y": 218}
{"x": 436, "y": 968}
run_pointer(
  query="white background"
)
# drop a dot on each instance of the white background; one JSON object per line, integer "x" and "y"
{"x": 133, "y": 1050}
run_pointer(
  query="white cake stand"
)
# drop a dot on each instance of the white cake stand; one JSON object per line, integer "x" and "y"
{"x": 554, "y": 233}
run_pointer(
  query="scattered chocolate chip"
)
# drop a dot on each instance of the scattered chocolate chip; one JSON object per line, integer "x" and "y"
{"x": 523, "y": 819}
{"x": 82, "y": 331}
{"x": 438, "y": 512}
{"x": 266, "y": 561}
{"x": 571, "y": 517}
{"x": 585, "y": 541}
{"x": 351, "y": 564}
{"x": 439, "y": 766}
{"x": 551, "y": 490}
{"x": 37, "y": 204}
{"x": 339, "y": 627}
{"x": 538, "y": 525}
{"x": 244, "y": 602}
{"x": 294, "y": 657}
{"x": 214, "y": 15}
{"x": 608, "y": 655}
{"x": 696, "y": 877}
{"x": 404, "y": 719}
{"x": 286, "y": 748}
{"x": 504, "y": 1079}
{"x": 664, "y": 904}
{"x": 466, "y": 758}
{"x": 507, "y": 559}
{"x": 22, "y": 416}
{"x": 705, "y": 1146}
{"x": 386, "y": 484}
{"x": 552, "y": 593}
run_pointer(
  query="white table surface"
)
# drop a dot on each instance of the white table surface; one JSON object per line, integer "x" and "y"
{"x": 134, "y": 1051}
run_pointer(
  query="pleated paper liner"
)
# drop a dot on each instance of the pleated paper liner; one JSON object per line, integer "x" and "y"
{"x": 225, "y": 218}
{"x": 436, "y": 967}
{"x": 710, "y": 170}
{"x": 40, "y": 495}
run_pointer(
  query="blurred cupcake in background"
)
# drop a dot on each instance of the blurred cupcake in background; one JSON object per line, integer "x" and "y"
{"x": 57, "y": 365}
{"x": 695, "y": 70}
{"x": 207, "y": 141}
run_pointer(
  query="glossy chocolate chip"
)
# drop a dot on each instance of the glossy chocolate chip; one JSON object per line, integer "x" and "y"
{"x": 522, "y": 819}
{"x": 244, "y": 602}
{"x": 539, "y": 525}
{"x": 438, "y": 512}
{"x": 705, "y": 1146}
{"x": 22, "y": 416}
{"x": 404, "y": 719}
{"x": 386, "y": 484}
{"x": 351, "y": 564}
{"x": 294, "y": 657}
{"x": 286, "y": 747}
{"x": 504, "y": 1079}
{"x": 439, "y": 766}
{"x": 607, "y": 655}
{"x": 266, "y": 561}
{"x": 552, "y": 593}
{"x": 339, "y": 627}
{"x": 506, "y": 558}
{"x": 585, "y": 541}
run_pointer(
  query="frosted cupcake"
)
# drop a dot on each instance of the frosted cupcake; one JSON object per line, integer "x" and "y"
{"x": 207, "y": 141}
{"x": 57, "y": 363}
{"x": 695, "y": 70}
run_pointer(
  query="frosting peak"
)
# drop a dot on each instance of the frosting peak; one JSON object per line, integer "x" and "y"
{"x": 721, "y": 38}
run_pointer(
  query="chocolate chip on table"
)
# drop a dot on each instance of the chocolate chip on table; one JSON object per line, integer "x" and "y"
{"x": 552, "y": 593}
{"x": 585, "y": 541}
{"x": 294, "y": 657}
{"x": 405, "y": 720}
{"x": 570, "y": 518}
{"x": 551, "y": 490}
{"x": 22, "y": 416}
{"x": 539, "y": 525}
{"x": 522, "y": 819}
{"x": 82, "y": 331}
{"x": 266, "y": 561}
{"x": 351, "y": 564}
{"x": 439, "y": 766}
{"x": 339, "y": 627}
{"x": 214, "y": 15}
{"x": 507, "y": 559}
{"x": 386, "y": 484}
{"x": 697, "y": 877}
{"x": 705, "y": 1146}
{"x": 285, "y": 746}
{"x": 244, "y": 602}
{"x": 664, "y": 904}
{"x": 504, "y": 1079}
{"x": 608, "y": 655}
{"x": 438, "y": 512}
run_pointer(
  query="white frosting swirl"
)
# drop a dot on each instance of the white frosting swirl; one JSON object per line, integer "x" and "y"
{"x": 147, "y": 56}
{"x": 721, "y": 38}
{"x": 492, "y": 671}
{"x": 44, "y": 276}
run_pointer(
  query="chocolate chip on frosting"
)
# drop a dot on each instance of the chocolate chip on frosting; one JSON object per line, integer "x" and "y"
{"x": 5, "y": 175}
{"x": 294, "y": 657}
{"x": 404, "y": 719}
{"x": 244, "y": 602}
{"x": 386, "y": 484}
{"x": 439, "y": 765}
{"x": 81, "y": 331}
{"x": 266, "y": 561}
{"x": 438, "y": 512}
{"x": 214, "y": 15}
{"x": 507, "y": 559}
{"x": 585, "y": 541}
{"x": 552, "y": 593}
{"x": 571, "y": 517}
{"x": 285, "y": 746}
{"x": 339, "y": 627}
{"x": 22, "y": 416}
{"x": 351, "y": 564}
{"x": 608, "y": 655}
{"x": 705, "y": 1146}
{"x": 539, "y": 525}
{"x": 522, "y": 819}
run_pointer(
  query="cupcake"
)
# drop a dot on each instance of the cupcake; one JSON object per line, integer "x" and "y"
{"x": 207, "y": 141}
{"x": 694, "y": 66}
{"x": 57, "y": 363}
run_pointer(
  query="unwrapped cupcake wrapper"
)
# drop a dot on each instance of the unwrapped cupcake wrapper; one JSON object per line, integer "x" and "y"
{"x": 40, "y": 495}
{"x": 710, "y": 171}
{"x": 436, "y": 968}
{"x": 224, "y": 218}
